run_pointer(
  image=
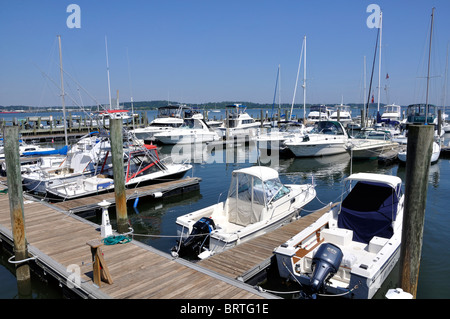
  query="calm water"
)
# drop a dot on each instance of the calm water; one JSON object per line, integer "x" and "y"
{"x": 154, "y": 221}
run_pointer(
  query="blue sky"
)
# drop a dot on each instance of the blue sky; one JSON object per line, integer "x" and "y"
{"x": 198, "y": 51}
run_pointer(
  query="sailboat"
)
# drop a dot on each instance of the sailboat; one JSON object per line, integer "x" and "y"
{"x": 425, "y": 113}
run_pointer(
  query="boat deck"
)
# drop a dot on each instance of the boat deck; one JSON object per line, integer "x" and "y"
{"x": 249, "y": 258}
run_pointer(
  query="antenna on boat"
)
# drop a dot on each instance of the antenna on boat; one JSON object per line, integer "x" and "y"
{"x": 62, "y": 89}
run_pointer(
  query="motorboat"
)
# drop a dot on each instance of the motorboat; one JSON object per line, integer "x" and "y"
{"x": 275, "y": 137}
{"x": 370, "y": 143}
{"x": 257, "y": 202}
{"x": 89, "y": 156}
{"x": 342, "y": 113}
{"x": 392, "y": 112}
{"x": 436, "y": 152}
{"x": 417, "y": 114}
{"x": 326, "y": 138}
{"x": 193, "y": 130}
{"x": 350, "y": 250}
{"x": 143, "y": 167}
{"x": 238, "y": 123}
{"x": 319, "y": 113}
{"x": 25, "y": 148}
{"x": 167, "y": 118}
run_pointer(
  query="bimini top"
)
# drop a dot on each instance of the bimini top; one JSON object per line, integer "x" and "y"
{"x": 262, "y": 172}
{"x": 392, "y": 181}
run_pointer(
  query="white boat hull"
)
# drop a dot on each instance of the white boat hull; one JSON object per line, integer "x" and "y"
{"x": 187, "y": 138}
{"x": 312, "y": 149}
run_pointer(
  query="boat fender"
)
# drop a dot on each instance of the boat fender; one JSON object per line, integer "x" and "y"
{"x": 306, "y": 138}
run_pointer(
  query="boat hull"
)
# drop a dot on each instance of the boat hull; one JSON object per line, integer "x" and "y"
{"x": 317, "y": 149}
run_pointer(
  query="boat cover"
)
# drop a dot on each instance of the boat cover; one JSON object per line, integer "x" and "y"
{"x": 61, "y": 151}
{"x": 369, "y": 210}
{"x": 249, "y": 195}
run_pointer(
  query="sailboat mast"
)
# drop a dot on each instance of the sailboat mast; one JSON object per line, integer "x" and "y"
{"x": 429, "y": 61}
{"x": 296, "y": 81}
{"x": 107, "y": 71}
{"x": 304, "y": 84}
{"x": 364, "y": 95}
{"x": 379, "y": 61}
{"x": 62, "y": 89}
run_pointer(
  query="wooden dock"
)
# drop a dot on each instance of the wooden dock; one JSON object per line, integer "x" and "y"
{"x": 247, "y": 259}
{"x": 58, "y": 242}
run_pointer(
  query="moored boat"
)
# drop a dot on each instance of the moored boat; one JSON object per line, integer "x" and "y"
{"x": 326, "y": 138}
{"x": 350, "y": 250}
{"x": 369, "y": 144}
{"x": 257, "y": 202}
{"x": 143, "y": 167}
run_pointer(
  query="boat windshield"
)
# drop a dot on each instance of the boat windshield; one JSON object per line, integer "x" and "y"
{"x": 328, "y": 127}
{"x": 191, "y": 123}
{"x": 169, "y": 111}
{"x": 373, "y": 135}
{"x": 249, "y": 195}
{"x": 142, "y": 163}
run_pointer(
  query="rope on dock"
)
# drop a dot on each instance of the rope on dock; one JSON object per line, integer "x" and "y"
{"x": 20, "y": 261}
{"x": 113, "y": 240}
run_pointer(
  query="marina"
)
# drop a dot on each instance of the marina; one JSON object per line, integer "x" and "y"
{"x": 195, "y": 184}
{"x": 230, "y": 263}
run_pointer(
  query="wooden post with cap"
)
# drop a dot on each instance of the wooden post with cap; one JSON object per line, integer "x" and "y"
{"x": 119, "y": 175}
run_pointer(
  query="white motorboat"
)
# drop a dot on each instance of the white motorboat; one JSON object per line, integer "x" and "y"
{"x": 193, "y": 130}
{"x": 351, "y": 249}
{"x": 89, "y": 156}
{"x": 257, "y": 202}
{"x": 436, "y": 152}
{"x": 326, "y": 138}
{"x": 369, "y": 144}
{"x": 342, "y": 113}
{"x": 239, "y": 122}
{"x": 168, "y": 118}
{"x": 275, "y": 137}
{"x": 25, "y": 148}
{"x": 319, "y": 113}
{"x": 143, "y": 167}
{"x": 392, "y": 112}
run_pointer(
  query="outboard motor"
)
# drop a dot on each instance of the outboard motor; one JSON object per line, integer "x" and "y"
{"x": 201, "y": 229}
{"x": 325, "y": 263}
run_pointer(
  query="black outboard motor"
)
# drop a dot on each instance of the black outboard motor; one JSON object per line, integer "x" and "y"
{"x": 196, "y": 239}
{"x": 325, "y": 263}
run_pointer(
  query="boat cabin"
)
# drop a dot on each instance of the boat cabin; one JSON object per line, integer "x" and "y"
{"x": 416, "y": 114}
{"x": 328, "y": 127}
{"x": 251, "y": 191}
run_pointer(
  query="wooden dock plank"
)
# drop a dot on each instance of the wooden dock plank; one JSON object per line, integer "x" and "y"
{"x": 136, "y": 269}
{"x": 91, "y": 202}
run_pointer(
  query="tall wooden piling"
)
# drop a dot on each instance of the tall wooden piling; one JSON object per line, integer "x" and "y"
{"x": 11, "y": 146}
{"x": 419, "y": 148}
{"x": 119, "y": 175}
